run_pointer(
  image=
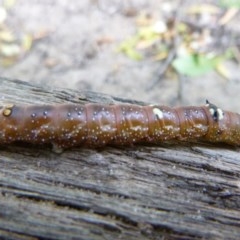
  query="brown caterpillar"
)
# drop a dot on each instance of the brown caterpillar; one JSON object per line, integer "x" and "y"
{"x": 68, "y": 125}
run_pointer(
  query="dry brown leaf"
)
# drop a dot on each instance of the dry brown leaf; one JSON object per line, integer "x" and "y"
{"x": 6, "y": 62}
{"x": 41, "y": 34}
{"x": 7, "y": 36}
{"x": 229, "y": 14}
{"x": 204, "y": 8}
{"x": 160, "y": 56}
{"x": 145, "y": 19}
{"x": 223, "y": 71}
{"x": 27, "y": 41}
{"x": 144, "y": 44}
{"x": 104, "y": 40}
{"x": 50, "y": 62}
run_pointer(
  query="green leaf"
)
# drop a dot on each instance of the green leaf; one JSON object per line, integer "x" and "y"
{"x": 133, "y": 54}
{"x": 230, "y": 3}
{"x": 128, "y": 48}
{"x": 147, "y": 33}
{"x": 194, "y": 65}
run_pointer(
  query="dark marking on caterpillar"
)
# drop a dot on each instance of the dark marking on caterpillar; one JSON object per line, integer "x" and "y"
{"x": 216, "y": 112}
{"x": 69, "y": 125}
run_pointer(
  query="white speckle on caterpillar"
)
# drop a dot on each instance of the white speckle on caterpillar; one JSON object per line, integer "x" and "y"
{"x": 158, "y": 113}
{"x": 220, "y": 114}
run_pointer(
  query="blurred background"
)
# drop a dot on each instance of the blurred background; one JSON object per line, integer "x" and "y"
{"x": 167, "y": 52}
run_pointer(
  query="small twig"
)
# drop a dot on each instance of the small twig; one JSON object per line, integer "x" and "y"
{"x": 163, "y": 68}
{"x": 172, "y": 53}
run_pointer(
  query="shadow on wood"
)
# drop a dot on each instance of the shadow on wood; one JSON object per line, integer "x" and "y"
{"x": 188, "y": 191}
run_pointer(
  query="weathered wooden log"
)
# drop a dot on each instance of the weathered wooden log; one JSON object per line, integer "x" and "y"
{"x": 185, "y": 191}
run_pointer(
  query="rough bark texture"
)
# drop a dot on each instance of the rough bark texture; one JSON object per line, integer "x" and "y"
{"x": 187, "y": 191}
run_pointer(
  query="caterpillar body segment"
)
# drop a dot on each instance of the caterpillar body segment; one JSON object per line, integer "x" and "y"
{"x": 69, "y": 125}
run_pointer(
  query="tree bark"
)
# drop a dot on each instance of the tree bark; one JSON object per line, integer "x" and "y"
{"x": 184, "y": 191}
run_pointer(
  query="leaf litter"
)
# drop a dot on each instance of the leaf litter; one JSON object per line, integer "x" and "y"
{"x": 196, "y": 37}
{"x": 14, "y": 47}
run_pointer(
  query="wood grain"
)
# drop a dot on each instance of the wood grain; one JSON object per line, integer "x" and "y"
{"x": 187, "y": 191}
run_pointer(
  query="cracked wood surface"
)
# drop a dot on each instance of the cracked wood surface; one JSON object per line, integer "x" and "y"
{"x": 172, "y": 191}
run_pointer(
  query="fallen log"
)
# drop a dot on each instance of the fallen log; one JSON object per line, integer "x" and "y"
{"x": 170, "y": 191}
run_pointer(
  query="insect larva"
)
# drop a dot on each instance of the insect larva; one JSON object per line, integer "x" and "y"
{"x": 68, "y": 125}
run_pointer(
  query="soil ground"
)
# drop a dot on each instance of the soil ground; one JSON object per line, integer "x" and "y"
{"x": 80, "y": 62}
